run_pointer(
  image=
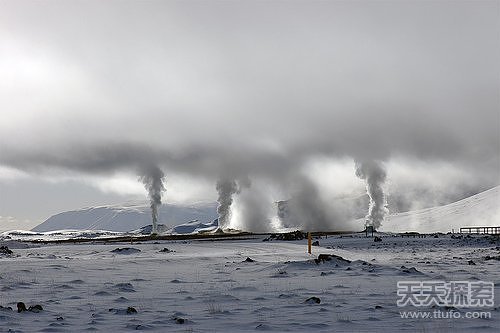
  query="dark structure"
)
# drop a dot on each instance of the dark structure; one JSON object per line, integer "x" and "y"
{"x": 369, "y": 230}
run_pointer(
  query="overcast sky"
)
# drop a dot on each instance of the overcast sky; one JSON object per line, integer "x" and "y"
{"x": 92, "y": 90}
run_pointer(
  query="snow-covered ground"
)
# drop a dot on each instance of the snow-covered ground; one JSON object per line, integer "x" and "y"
{"x": 207, "y": 286}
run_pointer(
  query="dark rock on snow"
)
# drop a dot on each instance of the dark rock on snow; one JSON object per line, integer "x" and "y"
{"x": 179, "y": 320}
{"x": 312, "y": 300}
{"x": 5, "y": 250}
{"x": 21, "y": 307}
{"x": 131, "y": 310}
{"x": 128, "y": 311}
{"x": 125, "y": 250}
{"x": 328, "y": 257}
{"x": 288, "y": 236}
{"x": 35, "y": 308}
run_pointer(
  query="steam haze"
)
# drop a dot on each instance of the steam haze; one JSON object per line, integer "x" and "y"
{"x": 256, "y": 90}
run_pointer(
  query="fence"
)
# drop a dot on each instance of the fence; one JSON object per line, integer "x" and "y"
{"x": 480, "y": 230}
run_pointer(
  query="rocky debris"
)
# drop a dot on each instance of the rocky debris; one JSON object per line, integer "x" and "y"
{"x": 21, "y": 307}
{"x": 124, "y": 287}
{"x": 125, "y": 250}
{"x": 470, "y": 262}
{"x": 165, "y": 250}
{"x": 492, "y": 258}
{"x": 377, "y": 239}
{"x": 288, "y": 236}
{"x": 128, "y": 311}
{"x": 444, "y": 308}
{"x": 35, "y": 308}
{"x": 248, "y": 259}
{"x": 329, "y": 257}
{"x": 263, "y": 327}
{"x": 315, "y": 243}
{"x": 312, "y": 300}
{"x": 413, "y": 234}
{"x": 461, "y": 236}
{"x": 5, "y": 308}
{"x": 411, "y": 270}
{"x": 179, "y": 320}
{"x": 5, "y": 250}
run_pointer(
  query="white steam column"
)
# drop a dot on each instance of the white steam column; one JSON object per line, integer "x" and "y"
{"x": 374, "y": 175}
{"x": 226, "y": 188}
{"x": 153, "y": 179}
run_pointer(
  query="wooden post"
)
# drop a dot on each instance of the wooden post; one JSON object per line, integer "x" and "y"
{"x": 309, "y": 243}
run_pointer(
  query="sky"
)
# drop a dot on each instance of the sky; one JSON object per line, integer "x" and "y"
{"x": 277, "y": 92}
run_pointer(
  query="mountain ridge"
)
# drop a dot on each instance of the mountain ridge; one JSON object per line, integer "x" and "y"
{"x": 126, "y": 217}
{"x": 482, "y": 209}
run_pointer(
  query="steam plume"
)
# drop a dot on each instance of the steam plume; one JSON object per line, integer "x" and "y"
{"x": 226, "y": 188}
{"x": 307, "y": 208}
{"x": 153, "y": 180}
{"x": 373, "y": 172}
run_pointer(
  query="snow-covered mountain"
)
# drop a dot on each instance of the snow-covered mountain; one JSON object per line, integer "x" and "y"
{"x": 482, "y": 209}
{"x": 127, "y": 217}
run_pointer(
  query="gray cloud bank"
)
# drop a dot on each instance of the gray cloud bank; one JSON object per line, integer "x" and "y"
{"x": 228, "y": 90}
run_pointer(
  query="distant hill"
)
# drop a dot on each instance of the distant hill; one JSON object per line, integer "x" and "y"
{"x": 482, "y": 209}
{"x": 127, "y": 217}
